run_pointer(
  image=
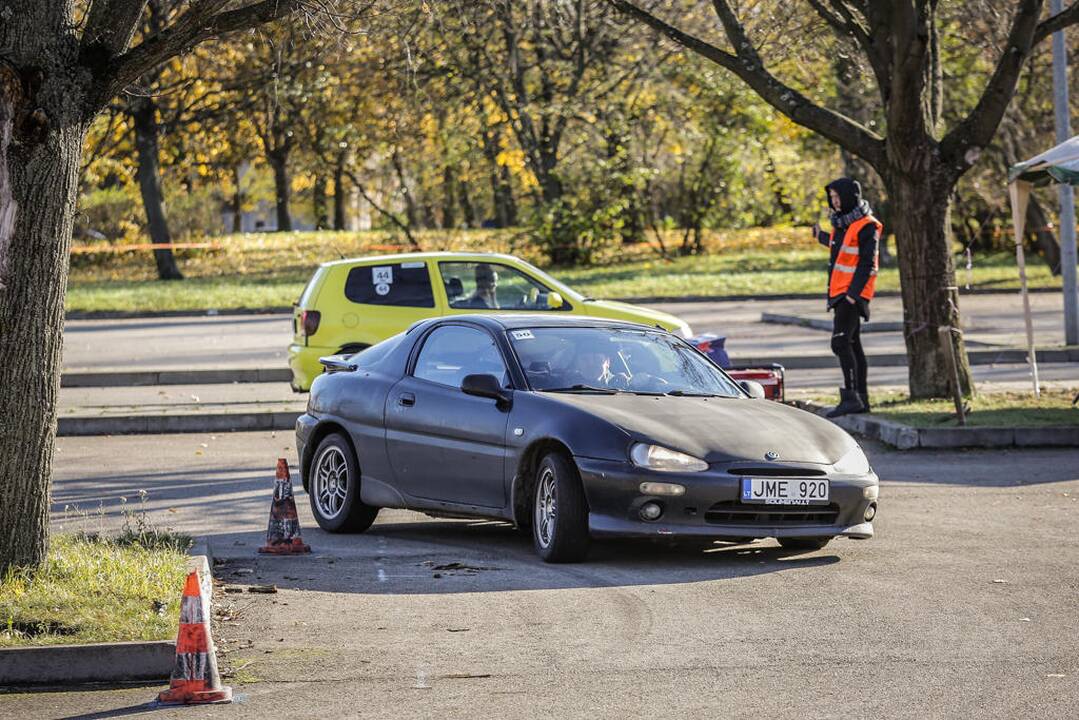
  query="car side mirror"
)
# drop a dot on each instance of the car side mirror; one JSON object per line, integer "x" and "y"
{"x": 554, "y": 300}
{"x": 753, "y": 388}
{"x": 487, "y": 386}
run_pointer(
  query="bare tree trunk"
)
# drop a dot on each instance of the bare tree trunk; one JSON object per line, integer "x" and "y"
{"x": 143, "y": 111}
{"x": 318, "y": 202}
{"x": 449, "y": 198}
{"x": 468, "y": 210}
{"x": 282, "y": 188}
{"x": 339, "y": 198}
{"x": 505, "y": 207}
{"x": 411, "y": 212}
{"x": 237, "y": 202}
{"x": 927, "y": 279}
{"x": 51, "y": 86}
{"x": 38, "y": 184}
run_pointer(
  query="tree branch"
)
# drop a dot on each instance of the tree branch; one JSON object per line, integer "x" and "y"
{"x": 199, "y": 23}
{"x": 110, "y": 25}
{"x": 843, "y": 22}
{"x": 747, "y": 65}
{"x": 391, "y": 216}
{"x": 962, "y": 145}
{"x": 1065, "y": 18}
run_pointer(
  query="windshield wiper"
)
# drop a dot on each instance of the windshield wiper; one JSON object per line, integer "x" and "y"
{"x": 584, "y": 388}
{"x": 684, "y": 393}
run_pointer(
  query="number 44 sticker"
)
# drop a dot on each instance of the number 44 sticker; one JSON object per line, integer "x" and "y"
{"x": 380, "y": 275}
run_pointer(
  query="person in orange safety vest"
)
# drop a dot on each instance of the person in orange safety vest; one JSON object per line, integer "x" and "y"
{"x": 852, "y": 279}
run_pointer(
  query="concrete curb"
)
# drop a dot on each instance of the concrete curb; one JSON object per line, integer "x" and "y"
{"x": 150, "y": 314}
{"x": 94, "y": 663}
{"x": 163, "y": 424}
{"x": 141, "y": 660}
{"x": 174, "y": 377}
{"x": 818, "y": 324}
{"x": 905, "y": 437}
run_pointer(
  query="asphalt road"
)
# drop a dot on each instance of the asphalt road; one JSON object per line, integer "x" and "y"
{"x": 963, "y": 606}
{"x": 261, "y": 341}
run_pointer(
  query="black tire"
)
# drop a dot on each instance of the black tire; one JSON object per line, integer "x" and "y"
{"x": 803, "y": 543}
{"x": 335, "y": 511}
{"x": 560, "y": 520}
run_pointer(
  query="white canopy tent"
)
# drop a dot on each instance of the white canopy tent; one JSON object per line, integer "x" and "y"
{"x": 1061, "y": 164}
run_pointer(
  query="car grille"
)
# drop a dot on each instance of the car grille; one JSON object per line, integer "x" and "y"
{"x": 776, "y": 471}
{"x": 734, "y": 513}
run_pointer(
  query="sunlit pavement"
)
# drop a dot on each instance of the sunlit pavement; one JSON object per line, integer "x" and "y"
{"x": 962, "y": 606}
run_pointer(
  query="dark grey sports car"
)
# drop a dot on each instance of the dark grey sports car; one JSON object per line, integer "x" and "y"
{"x": 577, "y": 428}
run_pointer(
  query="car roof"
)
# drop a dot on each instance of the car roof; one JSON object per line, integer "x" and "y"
{"x": 507, "y": 321}
{"x": 421, "y": 256}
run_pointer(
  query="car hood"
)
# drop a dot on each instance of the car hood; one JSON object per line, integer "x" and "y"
{"x": 720, "y": 429}
{"x": 636, "y": 313}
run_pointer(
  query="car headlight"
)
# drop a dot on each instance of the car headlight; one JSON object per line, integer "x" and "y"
{"x": 657, "y": 457}
{"x": 853, "y": 463}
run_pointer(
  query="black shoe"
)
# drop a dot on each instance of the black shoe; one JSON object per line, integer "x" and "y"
{"x": 849, "y": 402}
{"x": 864, "y": 397}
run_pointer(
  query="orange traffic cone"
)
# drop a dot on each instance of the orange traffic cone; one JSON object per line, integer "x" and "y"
{"x": 195, "y": 680}
{"x": 283, "y": 532}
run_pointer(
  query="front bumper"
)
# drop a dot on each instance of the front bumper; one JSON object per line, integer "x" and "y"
{"x": 614, "y": 500}
{"x": 305, "y": 427}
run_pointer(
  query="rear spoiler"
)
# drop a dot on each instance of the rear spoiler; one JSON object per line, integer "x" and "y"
{"x": 337, "y": 363}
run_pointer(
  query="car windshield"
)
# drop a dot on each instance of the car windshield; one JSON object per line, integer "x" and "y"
{"x": 607, "y": 360}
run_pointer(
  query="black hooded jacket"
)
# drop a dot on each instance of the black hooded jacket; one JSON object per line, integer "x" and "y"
{"x": 850, "y": 199}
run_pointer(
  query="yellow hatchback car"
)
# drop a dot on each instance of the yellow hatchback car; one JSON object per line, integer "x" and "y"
{"x": 351, "y": 304}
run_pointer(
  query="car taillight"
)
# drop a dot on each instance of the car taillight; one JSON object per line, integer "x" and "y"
{"x": 310, "y": 319}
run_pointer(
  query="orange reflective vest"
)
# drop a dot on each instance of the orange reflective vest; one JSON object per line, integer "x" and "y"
{"x": 846, "y": 262}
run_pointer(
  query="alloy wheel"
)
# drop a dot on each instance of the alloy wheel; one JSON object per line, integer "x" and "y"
{"x": 546, "y": 508}
{"x": 330, "y": 482}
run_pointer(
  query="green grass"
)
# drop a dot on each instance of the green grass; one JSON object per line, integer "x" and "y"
{"x": 996, "y": 409}
{"x": 93, "y": 589}
{"x": 269, "y": 270}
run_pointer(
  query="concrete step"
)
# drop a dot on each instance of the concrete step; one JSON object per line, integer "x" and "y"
{"x": 133, "y": 378}
{"x": 160, "y": 424}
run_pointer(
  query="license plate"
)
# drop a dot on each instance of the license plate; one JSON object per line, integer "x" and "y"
{"x": 784, "y": 491}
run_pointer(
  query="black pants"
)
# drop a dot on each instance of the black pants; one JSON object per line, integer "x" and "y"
{"x": 847, "y": 345}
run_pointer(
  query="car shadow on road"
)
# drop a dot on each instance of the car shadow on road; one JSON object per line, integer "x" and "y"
{"x": 448, "y": 556}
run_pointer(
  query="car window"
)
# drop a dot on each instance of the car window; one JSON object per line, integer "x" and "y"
{"x": 617, "y": 359}
{"x": 453, "y": 351}
{"x": 403, "y": 284}
{"x": 309, "y": 289}
{"x": 369, "y": 358}
{"x": 492, "y": 286}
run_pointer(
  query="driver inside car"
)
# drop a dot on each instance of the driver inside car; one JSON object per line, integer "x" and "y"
{"x": 593, "y": 368}
{"x": 484, "y": 296}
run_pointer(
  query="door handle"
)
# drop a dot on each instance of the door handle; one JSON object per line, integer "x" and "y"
{"x": 406, "y": 399}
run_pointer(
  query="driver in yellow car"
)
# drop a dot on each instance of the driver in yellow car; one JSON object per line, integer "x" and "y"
{"x": 484, "y": 296}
